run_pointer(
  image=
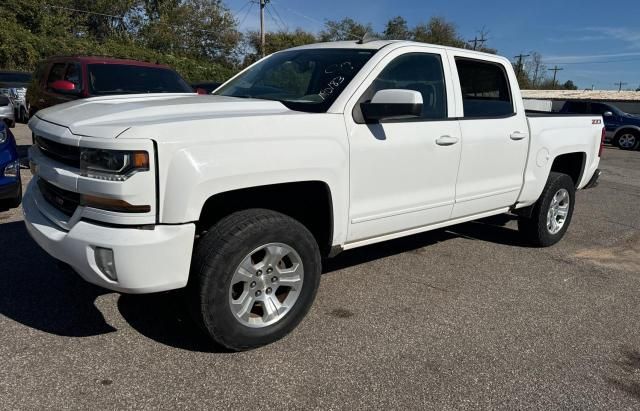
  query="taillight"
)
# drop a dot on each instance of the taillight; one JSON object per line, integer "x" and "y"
{"x": 604, "y": 134}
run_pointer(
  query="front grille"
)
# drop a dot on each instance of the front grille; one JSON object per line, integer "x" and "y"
{"x": 63, "y": 153}
{"x": 63, "y": 200}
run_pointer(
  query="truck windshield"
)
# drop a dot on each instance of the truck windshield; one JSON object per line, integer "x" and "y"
{"x": 107, "y": 79}
{"x": 305, "y": 80}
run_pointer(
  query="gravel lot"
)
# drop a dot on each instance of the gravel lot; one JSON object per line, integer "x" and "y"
{"x": 465, "y": 317}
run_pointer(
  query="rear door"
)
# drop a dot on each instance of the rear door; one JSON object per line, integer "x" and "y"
{"x": 495, "y": 134}
{"x": 402, "y": 172}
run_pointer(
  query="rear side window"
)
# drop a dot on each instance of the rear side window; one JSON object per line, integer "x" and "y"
{"x": 577, "y": 107}
{"x": 56, "y": 73}
{"x": 485, "y": 89}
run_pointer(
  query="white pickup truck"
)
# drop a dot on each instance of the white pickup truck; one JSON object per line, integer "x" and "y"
{"x": 238, "y": 196}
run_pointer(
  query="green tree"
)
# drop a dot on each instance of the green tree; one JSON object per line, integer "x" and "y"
{"x": 397, "y": 29}
{"x": 275, "y": 41}
{"x": 345, "y": 29}
{"x": 438, "y": 31}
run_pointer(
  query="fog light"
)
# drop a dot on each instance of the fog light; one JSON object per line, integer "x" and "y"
{"x": 106, "y": 263}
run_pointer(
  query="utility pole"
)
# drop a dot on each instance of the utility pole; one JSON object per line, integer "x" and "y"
{"x": 620, "y": 84}
{"x": 555, "y": 70}
{"x": 477, "y": 40}
{"x": 520, "y": 57}
{"x": 263, "y": 4}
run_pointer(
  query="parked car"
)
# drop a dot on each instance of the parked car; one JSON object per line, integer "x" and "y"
{"x": 14, "y": 84}
{"x": 62, "y": 79}
{"x": 7, "y": 112}
{"x": 205, "y": 87}
{"x": 239, "y": 195}
{"x": 623, "y": 129}
{"x": 10, "y": 185}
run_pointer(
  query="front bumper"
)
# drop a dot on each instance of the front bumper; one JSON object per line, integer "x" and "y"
{"x": 146, "y": 260}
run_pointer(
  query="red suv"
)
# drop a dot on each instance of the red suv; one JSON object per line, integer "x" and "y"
{"x": 61, "y": 79}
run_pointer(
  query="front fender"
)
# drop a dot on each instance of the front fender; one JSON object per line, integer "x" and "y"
{"x": 198, "y": 172}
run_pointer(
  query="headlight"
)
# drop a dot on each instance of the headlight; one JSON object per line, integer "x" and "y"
{"x": 12, "y": 169}
{"x": 112, "y": 165}
{"x": 3, "y": 135}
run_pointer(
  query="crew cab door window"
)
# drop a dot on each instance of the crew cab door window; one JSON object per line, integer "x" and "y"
{"x": 485, "y": 89}
{"x": 420, "y": 72}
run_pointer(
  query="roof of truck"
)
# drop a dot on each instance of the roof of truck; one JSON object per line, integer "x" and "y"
{"x": 378, "y": 44}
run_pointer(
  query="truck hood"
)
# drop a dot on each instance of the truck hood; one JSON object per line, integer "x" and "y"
{"x": 108, "y": 117}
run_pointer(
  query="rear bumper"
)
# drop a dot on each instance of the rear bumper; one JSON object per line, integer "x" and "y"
{"x": 146, "y": 260}
{"x": 594, "y": 180}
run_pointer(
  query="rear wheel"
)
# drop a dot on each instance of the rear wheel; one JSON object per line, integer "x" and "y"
{"x": 628, "y": 140}
{"x": 552, "y": 212}
{"x": 254, "y": 277}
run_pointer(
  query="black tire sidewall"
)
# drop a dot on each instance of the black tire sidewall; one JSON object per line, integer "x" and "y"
{"x": 218, "y": 271}
{"x": 557, "y": 182}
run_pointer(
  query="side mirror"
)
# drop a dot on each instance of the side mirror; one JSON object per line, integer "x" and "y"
{"x": 608, "y": 114}
{"x": 64, "y": 87}
{"x": 201, "y": 91}
{"x": 392, "y": 104}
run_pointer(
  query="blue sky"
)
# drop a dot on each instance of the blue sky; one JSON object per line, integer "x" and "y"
{"x": 596, "y": 42}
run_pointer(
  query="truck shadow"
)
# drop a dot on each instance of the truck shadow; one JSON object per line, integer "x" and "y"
{"x": 628, "y": 368}
{"x": 35, "y": 293}
{"x": 491, "y": 229}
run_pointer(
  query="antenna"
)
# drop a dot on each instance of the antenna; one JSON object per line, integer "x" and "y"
{"x": 368, "y": 37}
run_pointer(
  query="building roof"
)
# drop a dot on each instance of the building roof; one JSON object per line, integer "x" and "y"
{"x": 595, "y": 95}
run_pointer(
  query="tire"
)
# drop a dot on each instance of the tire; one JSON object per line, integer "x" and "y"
{"x": 628, "y": 140}
{"x": 13, "y": 202}
{"x": 24, "y": 118}
{"x": 538, "y": 229}
{"x": 240, "y": 239}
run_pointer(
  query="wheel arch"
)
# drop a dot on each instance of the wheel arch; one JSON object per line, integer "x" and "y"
{"x": 573, "y": 164}
{"x": 310, "y": 202}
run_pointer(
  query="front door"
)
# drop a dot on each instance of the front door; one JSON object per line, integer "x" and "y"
{"x": 403, "y": 171}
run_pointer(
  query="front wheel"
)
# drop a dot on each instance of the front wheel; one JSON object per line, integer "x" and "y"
{"x": 254, "y": 277}
{"x": 552, "y": 212}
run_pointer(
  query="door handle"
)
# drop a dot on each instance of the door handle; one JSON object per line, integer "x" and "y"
{"x": 446, "y": 141}
{"x": 516, "y": 135}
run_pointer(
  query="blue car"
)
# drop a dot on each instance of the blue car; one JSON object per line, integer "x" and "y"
{"x": 10, "y": 185}
{"x": 623, "y": 129}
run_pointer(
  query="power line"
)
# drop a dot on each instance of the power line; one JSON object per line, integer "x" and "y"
{"x": 592, "y": 62}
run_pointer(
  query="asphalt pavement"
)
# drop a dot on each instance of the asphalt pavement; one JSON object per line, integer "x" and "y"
{"x": 463, "y": 317}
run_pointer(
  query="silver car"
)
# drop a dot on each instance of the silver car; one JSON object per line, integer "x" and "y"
{"x": 7, "y": 113}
